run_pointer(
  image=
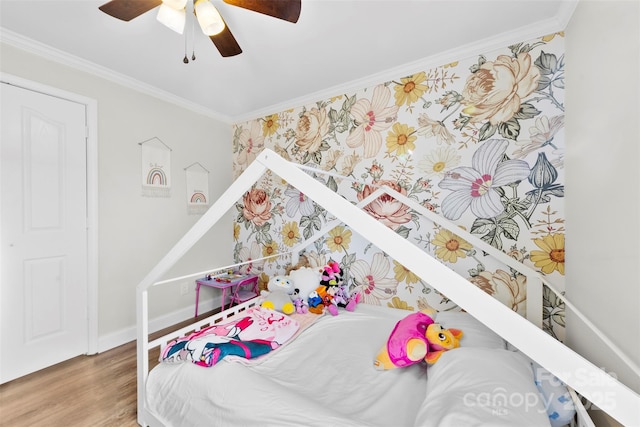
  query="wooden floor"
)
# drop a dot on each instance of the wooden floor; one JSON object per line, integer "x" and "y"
{"x": 98, "y": 390}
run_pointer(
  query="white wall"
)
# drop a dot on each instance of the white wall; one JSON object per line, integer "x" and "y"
{"x": 603, "y": 180}
{"x": 136, "y": 231}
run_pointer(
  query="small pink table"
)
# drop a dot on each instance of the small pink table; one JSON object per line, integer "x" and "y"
{"x": 228, "y": 281}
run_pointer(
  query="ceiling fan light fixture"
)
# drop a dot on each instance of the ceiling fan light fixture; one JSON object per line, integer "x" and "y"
{"x": 209, "y": 18}
{"x": 172, "y": 18}
{"x": 175, "y": 4}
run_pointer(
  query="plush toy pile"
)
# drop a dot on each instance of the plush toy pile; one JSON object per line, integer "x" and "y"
{"x": 310, "y": 290}
{"x": 416, "y": 338}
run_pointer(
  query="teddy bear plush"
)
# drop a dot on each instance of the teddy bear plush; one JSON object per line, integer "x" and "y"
{"x": 414, "y": 338}
{"x": 278, "y": 296}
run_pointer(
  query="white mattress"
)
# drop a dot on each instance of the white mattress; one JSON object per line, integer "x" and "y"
{"x": 325, "y": 377}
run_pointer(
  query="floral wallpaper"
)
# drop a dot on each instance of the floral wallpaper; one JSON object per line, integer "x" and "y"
{"x": 478, "y": 141}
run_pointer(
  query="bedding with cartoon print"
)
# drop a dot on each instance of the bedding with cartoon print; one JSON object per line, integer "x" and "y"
{"x": 254, "y": 333}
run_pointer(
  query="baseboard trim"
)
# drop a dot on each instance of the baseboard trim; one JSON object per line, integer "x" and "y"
{"x": 124, "y": 336}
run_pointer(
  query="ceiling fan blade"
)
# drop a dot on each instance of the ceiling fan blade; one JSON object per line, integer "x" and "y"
{"x": 126, "y": 10}
{"x": 226, "y": 43}
{"x": 289, "y": 10}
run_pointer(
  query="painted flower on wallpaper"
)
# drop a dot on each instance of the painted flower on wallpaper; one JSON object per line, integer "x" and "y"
{"x": 396, "y": 302}
{"x": 385, "y": 208}
{"x": 430, "y": 128}
{"x": 509, "y": 290}
{"x": 495, "y": 91}
{"x": 551, "y": 256}
{"x": 410, "y": 89}
{"x": 349, "y": 163}
{"x": 403, "y": 274}
{"x": 450, "y": 247}
{"x": 339, "y": 239}
{"x": 371, "y": 280}
{"x": 331, "y": 159}
{"x": 540, "y": 135}
{"x": 312, "y": 125}
{"x": 401, "y": 139}
{"x": 251, "y": 143}
{"x": 270, "y": 248}
{"x": 298, "y": 202}
{"x": 257, "y": 206}
{"x": 270, "y": 125}
{"x": 439, "y": 161}
{"x": 316, "y": 259}
{"x": 371, "y": 118}
{"x": 290, "y": 233}
{"x": 236, "y": 231}
{"x": 475, "y": 187}
{"x": 250, "y": 254}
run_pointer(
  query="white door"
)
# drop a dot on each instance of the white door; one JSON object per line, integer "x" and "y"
{"x": 43, "y": 234}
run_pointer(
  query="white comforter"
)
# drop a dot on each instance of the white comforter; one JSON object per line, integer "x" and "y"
{"x": 325, "y": 377}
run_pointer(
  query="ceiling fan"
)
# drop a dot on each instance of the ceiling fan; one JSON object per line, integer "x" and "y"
{"x": 172, "y": 13}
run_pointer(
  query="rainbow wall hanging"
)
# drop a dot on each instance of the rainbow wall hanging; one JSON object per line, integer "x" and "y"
{"x": 156, "y": 168}
{"x": 197, "y": 179}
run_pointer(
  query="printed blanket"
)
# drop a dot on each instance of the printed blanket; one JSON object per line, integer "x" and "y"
{"x": 253, "y": 333}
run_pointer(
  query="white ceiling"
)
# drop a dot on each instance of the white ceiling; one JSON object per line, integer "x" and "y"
{"x": 336, "y": 44}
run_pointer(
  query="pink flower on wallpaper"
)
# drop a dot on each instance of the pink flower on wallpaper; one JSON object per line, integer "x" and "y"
{"x": 371, "y": 280}
{"x": 475, "y": 186}
{"x": 250, "y": 144}
{"x": 257, "y": 206}
{"x": 385, "y": 208}
{"x": 372, "y": 117}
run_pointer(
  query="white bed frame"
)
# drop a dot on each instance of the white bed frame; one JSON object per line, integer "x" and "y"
{"x": 583, "y": 378}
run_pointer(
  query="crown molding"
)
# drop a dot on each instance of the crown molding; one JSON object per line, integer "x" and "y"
{"x": 556, "y": 24}
{"x": 47, "y": 52}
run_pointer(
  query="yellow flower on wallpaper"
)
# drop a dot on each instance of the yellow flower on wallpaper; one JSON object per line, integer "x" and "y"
{"x": 399, "y": 304}
{"x": 290, "y": 233}
{"x": 339, "y": 238}
{"x": 270, "y": 248}
{"x": 410, "y": 89}
{"x": 402, "y": 274}
{"x": 270, "y": 125}
{"x": 236, "y": 231}
{"x": 450, "y": 247}
{"x": 551, "y": 257}
{"x": 550, "y": 37}
{"x": 439, "y": 161}
{"x": 400, "y": 139}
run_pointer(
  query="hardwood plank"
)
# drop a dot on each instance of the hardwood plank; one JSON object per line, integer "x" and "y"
{"x": 97, "y": 390}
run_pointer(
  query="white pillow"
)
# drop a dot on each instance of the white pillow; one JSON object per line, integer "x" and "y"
{"x": 475, "y": 334}
{"x": 481, "y": 386}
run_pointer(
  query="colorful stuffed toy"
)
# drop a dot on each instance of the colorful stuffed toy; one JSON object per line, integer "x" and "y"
{"x": 331, "y": 274}
{"x": 278, "y": 297}
{"x": 415, "y": 338}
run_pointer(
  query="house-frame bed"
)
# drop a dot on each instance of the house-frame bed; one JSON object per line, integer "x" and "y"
{"x": 581, "y": 377}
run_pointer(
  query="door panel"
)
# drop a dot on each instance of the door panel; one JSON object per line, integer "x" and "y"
{"x": 43, "y": 237}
